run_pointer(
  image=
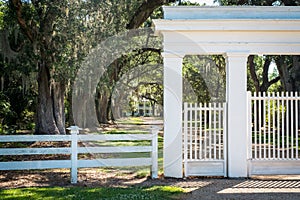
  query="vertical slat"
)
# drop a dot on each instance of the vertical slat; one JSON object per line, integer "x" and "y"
{"x": 282, "y": 127}
{"x": 215, "y": 132}
{"x": 269, "y": 125}
{"x": 190, "y": 133}
{"x": 185, "y": 120}
{"x": 259, "y": 122}
{"x": 297, "y": 125}
{"x": 219, "y": 129}
{"x": 264, "y": 123}
{"x": 209, "y": 127}
{"x": 278, "y": 126}
{"x": 205, "y": 131}
{"x": 201, "y": 130}
{"x": 255, "y": 125}
{"x": 196, "y": 131}
{"x": 287, "y": 125}
{"x": 273, "y": 125}
{"x": 292, "y": 125}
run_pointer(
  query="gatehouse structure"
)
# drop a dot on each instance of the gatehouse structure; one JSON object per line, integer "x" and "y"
{"x": 235, "y": 33}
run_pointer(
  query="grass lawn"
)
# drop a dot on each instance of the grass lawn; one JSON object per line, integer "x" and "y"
{"x": 132, "y": 193}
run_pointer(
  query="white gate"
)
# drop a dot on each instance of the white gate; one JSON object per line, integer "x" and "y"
{"x": 205, "y": 139}
{"x": 273, "y": 133}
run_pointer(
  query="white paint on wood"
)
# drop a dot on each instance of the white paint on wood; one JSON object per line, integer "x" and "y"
{"x": 34, "y": 151}
{"x": 205, "y": 168}
{"x": 117, "y": 149}
{"x": 172, "y": 115}
{"x": 236, "y": 65}
{"x": 273, "y": 140}
{"x": 154, "y": 152}
{"x": 266, "y": 13}
{"x": 34, "y": 138}
{"x": 74, "y": 156}
{"x": 235, "y": 32}
{"x": 114, "y": 137}
{"x": 274, "y": 167}
{"x": 74, "y": 163}
{"x": 43, "y": 164}
{"x": 205, "y": 139}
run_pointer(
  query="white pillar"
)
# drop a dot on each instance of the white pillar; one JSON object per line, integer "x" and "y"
{"x": 172, "y": 115}
{"x": 236, "y": 96}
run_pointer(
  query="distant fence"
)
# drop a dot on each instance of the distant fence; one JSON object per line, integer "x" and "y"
{"x": 274, "y": 132}
{"x": 74, "y": 163}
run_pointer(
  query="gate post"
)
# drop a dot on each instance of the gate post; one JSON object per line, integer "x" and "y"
{"x": 236, "y": 96}
{"x": 172, "y": 115}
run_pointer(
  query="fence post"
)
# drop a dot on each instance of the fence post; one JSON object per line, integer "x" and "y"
{"x": 74, "y": 130}
{"x": 154, "y": 153}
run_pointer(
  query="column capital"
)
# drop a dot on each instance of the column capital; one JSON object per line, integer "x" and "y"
{"x": 235, "y": 54}
{"x": 172, "y": 55}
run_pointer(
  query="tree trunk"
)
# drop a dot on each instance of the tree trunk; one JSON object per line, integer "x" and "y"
{"x": 290, "y": 78}
{"x": 296, "y": 73}
{"x": 102, "y": 102}
{"x": 69, "y": 116}
{"x": 50, "y": 107}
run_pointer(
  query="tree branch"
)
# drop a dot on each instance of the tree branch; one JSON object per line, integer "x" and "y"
{"x": 147, "y": 49}
{"x": 252, "y": 72}
{"x": 144, "y": 11}
{"x": 18, "y": 10}
{"x": 265, "y": 72}
{"x": 274, "y": 80}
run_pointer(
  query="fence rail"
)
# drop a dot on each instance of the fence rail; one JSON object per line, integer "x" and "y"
{"x": 73, "y": 163}
{"x": 274, "y": 126}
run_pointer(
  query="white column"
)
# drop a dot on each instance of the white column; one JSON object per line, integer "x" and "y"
{"x": 172, "y": 115}
{"x": 236, "y": 96}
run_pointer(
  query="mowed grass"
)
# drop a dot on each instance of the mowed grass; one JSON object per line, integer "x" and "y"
{"x": 115, "y": 193}
{"x": 61, "y": 193}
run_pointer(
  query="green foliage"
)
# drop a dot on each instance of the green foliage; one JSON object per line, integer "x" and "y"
{"x": 113, "y": 193}
{"x": 27, "y": 120}
{"x": 205, "y": 79}
{"x": 6, "y": 113}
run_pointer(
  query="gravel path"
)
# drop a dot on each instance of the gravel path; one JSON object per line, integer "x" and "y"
{"x": 246, "y": 189}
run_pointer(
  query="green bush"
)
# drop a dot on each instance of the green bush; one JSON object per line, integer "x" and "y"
{"x": 5, "y": 113}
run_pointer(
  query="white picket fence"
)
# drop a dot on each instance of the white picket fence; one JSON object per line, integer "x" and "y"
{"x": 204, "y": 139}
{"x": 274, "y": 133}
{"x": 74, "y": 163}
